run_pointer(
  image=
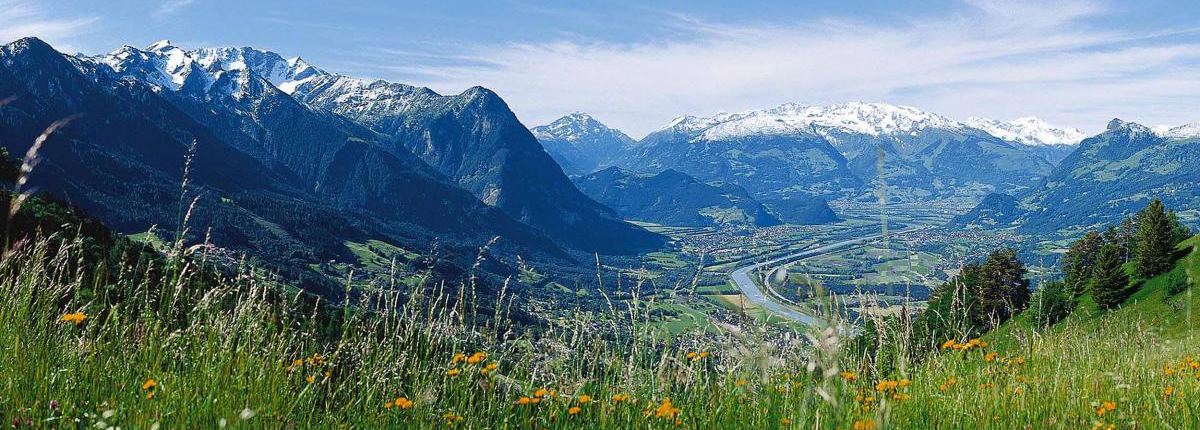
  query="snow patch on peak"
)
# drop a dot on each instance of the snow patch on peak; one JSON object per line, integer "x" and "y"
{"x": 1030, "y": 131}
{"x": 1186, "y": 131}
{"x": 170, "y": 67}
{"x": 160, "y": 45}
{"x": 573, "y": 127}
{"x": 873, "y": 119}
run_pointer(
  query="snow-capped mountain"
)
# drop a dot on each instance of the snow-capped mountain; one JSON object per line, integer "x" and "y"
{"x": 922, "y": 153}
{"x": 266, "y": 105}
{"x": 580, "y": 143}
{"x": 173, "y": 68}
{"x": 1186, "y": 131}
{"x": 873, "y": 119}
{"x": 1030, "y": 131}
{"x": 575, "y": 127}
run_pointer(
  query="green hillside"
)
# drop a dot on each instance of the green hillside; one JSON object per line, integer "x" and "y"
{"x": 1142, "y": 357}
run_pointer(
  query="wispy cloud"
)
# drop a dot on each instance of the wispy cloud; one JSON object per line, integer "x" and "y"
{"x": 23, "y": 19}
{"x": 989, "y": 57}
{"x": 169, "y": 7}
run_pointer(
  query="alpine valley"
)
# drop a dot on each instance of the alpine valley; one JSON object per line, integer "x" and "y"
{"x": 228, "y": 237}
{"x": 319, "y": 176}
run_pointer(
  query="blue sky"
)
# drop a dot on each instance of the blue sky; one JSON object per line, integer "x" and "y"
{"x": 636, "y": 64}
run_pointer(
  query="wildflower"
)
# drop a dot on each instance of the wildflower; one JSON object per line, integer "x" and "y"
{"x": 459, "y": 357}
{"x": 703, "y": 354}
{"x": 740, "y": 382}
{"x": 618, "y": 398}
{"x": 149, "y": 387}
{"x": 491, "y": 367}
{"x": 296, "y": 364}
{"x": 692, "y": 355}
{"x": 573, "y": 410}
{"x": 786, "y": 422}
{"x": 1106, "y": 407}
{"x": 1169, "y": 391}
{"x": 452, "y": 418}
{"x": 904, "y": 383}
{"x": 523, "y": 400}
{"x": 948, "y": 344}
{"x": 541, "y": 392}
{"x": 74, "y": 318}
{"x": 990, "y": 357}
{"x": 849, "y": 376}
{"x": 864, "y": 425}
{"x": 950, "y": 382}
{"x": 476, "y": 358}
{"x": 402, "y": 402}
{"x": 316, "y": 360}
{"x": 1168, "y": 370}
{"x": 887, "y": 385}
{"x": 453, "y": 372}
{"x": 666, "y": 409}
{"x": 584, "y": 399}
{"x": 311, "y": 378}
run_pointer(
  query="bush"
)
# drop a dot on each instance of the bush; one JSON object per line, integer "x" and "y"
{"x": 1177, "y": 282}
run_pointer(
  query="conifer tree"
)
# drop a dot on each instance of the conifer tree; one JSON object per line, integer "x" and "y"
{"x": 1079, "y": 261}
{"x": 1110, "y": 283}
{"x": 1155, "y": 240}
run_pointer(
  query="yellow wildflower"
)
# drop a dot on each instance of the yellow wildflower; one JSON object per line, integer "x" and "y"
{"x": 74, "y": 318}
{"x": 573, "y": 410}
{"x": 1169, "y": 391}
{"x": 149, "y": 384}
{"x": 666, "y": 409}
{"x": 849, "y": 376}
{"x": 403, "y": 402}
{"x": 864, "y": 425}
{"x": 476, "y": 358}
{"x": 453, "y": 372}
{"x": 584, "y": 399}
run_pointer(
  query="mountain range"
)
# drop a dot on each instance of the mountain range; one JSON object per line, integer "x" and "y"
{"x": 795, "y": 157}
{"x": 1110, "y": 176}
{"x": 292, "y": 164}
{"x": 279, "y": 172}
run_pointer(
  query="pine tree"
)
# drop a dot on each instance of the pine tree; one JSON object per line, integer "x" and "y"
{"x": 1078, "y": 263}
{"x": 1110, "y": 283}
{"x": 1155, "y": 240}
{"x": 1003, "y": 289}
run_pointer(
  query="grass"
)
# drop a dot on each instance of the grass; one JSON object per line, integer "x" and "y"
{"x": 163, "y": 345}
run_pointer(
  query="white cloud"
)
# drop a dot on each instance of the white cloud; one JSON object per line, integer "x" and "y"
{"x": 989, "y": 58}
{"x": 169, "y": 7}
{"x": 23, "y": 19}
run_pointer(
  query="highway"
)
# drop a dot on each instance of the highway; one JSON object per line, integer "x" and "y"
{"x": 755, "y": 294}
